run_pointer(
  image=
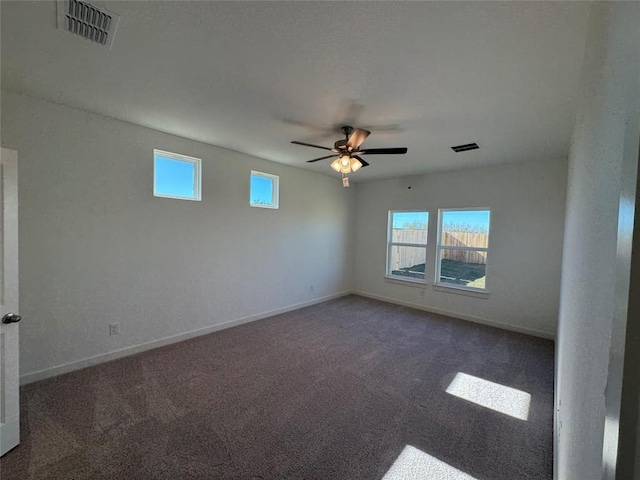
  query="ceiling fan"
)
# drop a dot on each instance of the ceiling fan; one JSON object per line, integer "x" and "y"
{"x": 348, "y": 150}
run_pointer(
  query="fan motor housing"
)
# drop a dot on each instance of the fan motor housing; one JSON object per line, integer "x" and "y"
{"x": 341, "y": 144}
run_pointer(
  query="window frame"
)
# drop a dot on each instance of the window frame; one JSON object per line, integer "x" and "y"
{"x": 390, "y": 244}
{"x": 440, "y": 247}
{"x": 275, "y": 190}
{"x": 197, "y": 181}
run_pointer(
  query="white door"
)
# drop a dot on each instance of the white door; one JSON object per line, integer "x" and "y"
{"x": 9, "y": 399}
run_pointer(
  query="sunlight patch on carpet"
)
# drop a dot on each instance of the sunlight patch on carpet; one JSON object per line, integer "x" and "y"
{"x": 414, "y": 464}
{"x": 500, "y": 398}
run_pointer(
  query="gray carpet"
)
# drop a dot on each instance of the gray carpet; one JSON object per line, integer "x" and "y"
{"x": 332, "y": 391}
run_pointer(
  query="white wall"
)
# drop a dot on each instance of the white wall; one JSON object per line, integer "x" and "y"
{"x": 600, "y": 202}
{"x": 96, "y": 247}
{"x": 525, "y": 244}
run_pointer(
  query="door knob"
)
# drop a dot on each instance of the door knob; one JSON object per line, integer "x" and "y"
{"x": 11, "y": 318}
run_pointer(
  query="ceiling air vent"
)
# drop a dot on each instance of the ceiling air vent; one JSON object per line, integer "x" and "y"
{"x": 464, "y": 148}
{"x": 90, "y": 22}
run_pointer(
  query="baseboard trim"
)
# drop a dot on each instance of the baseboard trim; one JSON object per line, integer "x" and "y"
{"x": 461, "y": 316}
{"x": 132, "y": 350}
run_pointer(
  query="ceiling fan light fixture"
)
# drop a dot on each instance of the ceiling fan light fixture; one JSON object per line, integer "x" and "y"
{"x": 348, "y": 151}
{"x": 345, "y": 164}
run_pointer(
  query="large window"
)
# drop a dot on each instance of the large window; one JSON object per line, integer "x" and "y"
{"x": 407, "y": 245}
{"x": 176, "y": 176}
{"x": 263, "y": 191}
{"x": 463, "y": 243}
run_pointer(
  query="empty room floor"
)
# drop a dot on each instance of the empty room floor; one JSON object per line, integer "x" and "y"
{"x": 338, "y": 390}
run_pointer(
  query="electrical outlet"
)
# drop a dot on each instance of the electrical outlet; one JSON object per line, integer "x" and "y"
{"x": 114, "y": 328}
{"x": 312, "y": 288}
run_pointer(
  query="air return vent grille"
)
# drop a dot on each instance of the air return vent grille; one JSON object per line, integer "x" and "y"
{"x": 88, "y": 21}
{"x": 465, "y": 147}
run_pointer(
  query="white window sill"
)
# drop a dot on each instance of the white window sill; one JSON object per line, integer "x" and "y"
{"x": 410, "y": 282}
{"x": 257, "y": 205}
{"x": 470, "y": 292}
{"x": 175, "y": 197}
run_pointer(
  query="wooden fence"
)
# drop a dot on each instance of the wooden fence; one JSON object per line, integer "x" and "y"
{"x": 403, "y": 257}
{"x": 408, "y": 257}
{"x": 465, "y": 239}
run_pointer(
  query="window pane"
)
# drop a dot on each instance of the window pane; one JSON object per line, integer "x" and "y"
{"x": 175, "y": 178}
{"x": 468, "y": 228}
{"x": 463, "y": 267}
{"x": 409, "y": 227}
{"x": 261, "y": 190}
{"x": 407, "y": 261}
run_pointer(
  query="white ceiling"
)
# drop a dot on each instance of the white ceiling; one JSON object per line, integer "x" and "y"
{"x": 252, "y": 76}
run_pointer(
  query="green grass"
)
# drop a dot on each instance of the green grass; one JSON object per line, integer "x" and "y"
{"x": 457, "y": 273}
{"x": 414, "y": 271}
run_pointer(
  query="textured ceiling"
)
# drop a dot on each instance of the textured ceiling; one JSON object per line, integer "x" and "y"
{"x": 252, "y": 76}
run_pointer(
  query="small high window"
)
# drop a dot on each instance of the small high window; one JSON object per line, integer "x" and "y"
{"x": 463, "y": 245}
{"x": 264, "y": 190}
{"x": 407, "y": 245}
{"x": 176, "y": 176}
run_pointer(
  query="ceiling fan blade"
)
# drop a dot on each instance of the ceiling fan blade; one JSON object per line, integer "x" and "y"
{"x": 361, "y": 160}
{"x": 321, "y": 158}
{"x": 311, "y": 145}
{"x": 383, "y": 151}
{"x": 356, "y": 138}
